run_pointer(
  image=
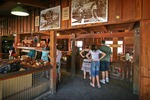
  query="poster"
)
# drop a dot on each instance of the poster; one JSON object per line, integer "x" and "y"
{"x": 89, "y": 11}
{"x": 50, "y": 18}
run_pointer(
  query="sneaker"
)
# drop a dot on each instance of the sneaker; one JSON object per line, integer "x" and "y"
{"x": 92, "y": 84}
{"x": 102, "y": 81}
{"x": 107, "y": 80}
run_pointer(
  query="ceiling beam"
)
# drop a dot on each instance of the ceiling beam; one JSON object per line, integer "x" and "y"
{"x": 125, "y": 26}
{"x": 64, "y": 37}
{"x": 104, "y": 35}
{"x": 34, "y": 3}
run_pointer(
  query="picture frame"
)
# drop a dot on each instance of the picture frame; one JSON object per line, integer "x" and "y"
{"x": 89, "y": 11}
{"x": 50, "y": 18}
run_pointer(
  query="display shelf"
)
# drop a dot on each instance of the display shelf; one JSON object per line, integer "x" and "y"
{"x": 31, "y": 48}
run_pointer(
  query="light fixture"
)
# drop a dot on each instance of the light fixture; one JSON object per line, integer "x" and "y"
{"x": 58, "y": 34}
{"x": 19, "y": 11}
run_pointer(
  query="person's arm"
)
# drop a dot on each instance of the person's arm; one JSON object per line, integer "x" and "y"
{"x": 35, "y": 54}
{"x": 82, "y": 54}
{"x": 103, "y": 55}
{"x": 88, "y": 55}
{"x": 111, "y": 58}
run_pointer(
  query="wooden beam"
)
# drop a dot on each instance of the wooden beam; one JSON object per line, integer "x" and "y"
{"x": 123, "y": 34}
{"x": 64, "y": 37}
{"x": 99, "y": 29}
{"x": 125, "y": 26}
{"x": 53, "y": 75}
{"x": 34, "y": 3}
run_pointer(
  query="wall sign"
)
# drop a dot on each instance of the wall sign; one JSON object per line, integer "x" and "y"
{"x": 37, "y": 21}
{"x": 65, "y": 13}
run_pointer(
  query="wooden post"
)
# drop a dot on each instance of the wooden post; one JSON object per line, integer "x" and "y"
{"x": 53, "y": 74}
{"x": 144, "y": 60}
{"x": 73, "y": 56}
{"x": 0, "y": 90}
{"x": 115, "y": 41}
{"x": 136, "y": 56}
{"x": 17, "y": 40}
{"x": 69, "y": 44}
{"x": 0, "y": 44}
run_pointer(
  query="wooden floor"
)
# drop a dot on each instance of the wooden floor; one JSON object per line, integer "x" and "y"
{"x": 77, "y": 88}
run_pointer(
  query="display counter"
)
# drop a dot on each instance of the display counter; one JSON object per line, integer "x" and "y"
{"x": 22, "y": 81}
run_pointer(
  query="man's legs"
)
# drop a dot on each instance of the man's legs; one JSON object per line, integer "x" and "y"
{"x": 107, "y": 79}
{"x": 103, "y": 72}
{"x": 103, "y": 77}
{"x": 106, "y": 70}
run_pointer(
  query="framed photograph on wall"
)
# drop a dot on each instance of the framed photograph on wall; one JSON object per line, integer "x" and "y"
{"x": 89, "y": 11}
{"x": 50, "y": 18}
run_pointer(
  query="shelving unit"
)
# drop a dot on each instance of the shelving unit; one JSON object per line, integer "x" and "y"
{"x": 31, "y": 48}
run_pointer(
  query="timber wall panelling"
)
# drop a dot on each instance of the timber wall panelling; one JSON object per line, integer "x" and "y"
{"x": 144, "y": 60}
{"x": 128, "y": 10}
{"x": 28, "y": 24}
{"x": 118, "y": 11}
{"x": 145, "y": 10}
{"x": 32, "y": 21}
{"x": 114, "y": 10}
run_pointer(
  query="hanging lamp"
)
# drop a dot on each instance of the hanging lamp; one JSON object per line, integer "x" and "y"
{"x": 19, "y": 11}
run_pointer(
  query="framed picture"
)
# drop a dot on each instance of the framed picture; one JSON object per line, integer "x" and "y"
{"x": 89, "y": 11}
{"x": 50, "y": 18}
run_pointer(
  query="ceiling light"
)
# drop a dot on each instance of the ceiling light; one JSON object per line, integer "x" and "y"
{"x": 19, "y": 11}
{"x": 58, "y": 34}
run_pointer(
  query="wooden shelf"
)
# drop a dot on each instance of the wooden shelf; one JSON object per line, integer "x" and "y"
{"x": 31, "y": 48}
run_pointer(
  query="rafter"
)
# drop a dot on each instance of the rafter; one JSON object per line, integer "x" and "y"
{"x": 122, "y": 34}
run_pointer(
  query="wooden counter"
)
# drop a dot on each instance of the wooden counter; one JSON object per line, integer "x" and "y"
{"x": 15, "y": 82}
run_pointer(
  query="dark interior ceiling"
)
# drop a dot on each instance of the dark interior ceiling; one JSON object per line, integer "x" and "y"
{"x": 7, "y": 5}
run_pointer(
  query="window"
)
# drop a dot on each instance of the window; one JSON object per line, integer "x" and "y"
{"x": 79, "y": 44}
{"x": 120, "y": 49}
{"x": 108, "y": 44}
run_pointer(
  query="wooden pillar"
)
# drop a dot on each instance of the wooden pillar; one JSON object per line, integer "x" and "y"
{"x": 73, "y": 56}
{"x": 53, "y": 61}
{"x": 0, "y": 44}
{"x": 69, "y": 44}
{"x": 144, "y": 60}
{"x": 1, "y": 90}
{"x": 115, "y": 41}
{"x": 136, "y": 56}
{"x": 17, "y": 40}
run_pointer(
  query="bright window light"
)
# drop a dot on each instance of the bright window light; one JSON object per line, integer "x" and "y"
{"x": 108, "y": 44}
{"x": 79, "y": 43}
{"x": 120, "y": 49}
